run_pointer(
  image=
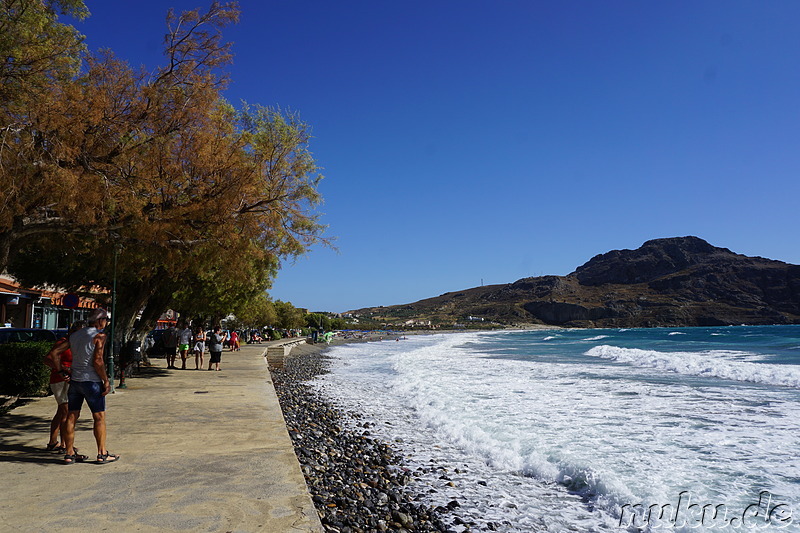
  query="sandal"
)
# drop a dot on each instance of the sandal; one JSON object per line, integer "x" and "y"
{"x": 103, "y": 458}
{"x": 75, "y": 458}
{"x": 55, "y": 448}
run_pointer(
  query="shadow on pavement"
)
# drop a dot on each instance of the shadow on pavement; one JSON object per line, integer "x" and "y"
{"x": 19, "y": 453}
{"x": 27, "y": 454}
{"x": 147, "y": 372}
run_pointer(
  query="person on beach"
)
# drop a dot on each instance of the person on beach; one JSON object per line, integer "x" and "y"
{"x": 170, "y": 341}
{"x": 199, "y": 347}
{"x": 59, "y": 384}
{"x": 88, "y": 381}
{"x": 217, "y": 340}
{"x": 184, "y": 340}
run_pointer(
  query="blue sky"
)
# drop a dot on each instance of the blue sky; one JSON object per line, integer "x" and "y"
{"x": 486, "y": 141}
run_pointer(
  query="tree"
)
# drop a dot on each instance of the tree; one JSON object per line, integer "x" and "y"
{"x": 257, "y": 312}
{"x": 39, "y": 58}
{"x": 77, "y": 171}
{"x": 200, "y": 200}
{"x": 35, "y": 49}
{"x": 224, "y": 282}
{"x": 317, "y": 320}
{"x": 289, "y": 317}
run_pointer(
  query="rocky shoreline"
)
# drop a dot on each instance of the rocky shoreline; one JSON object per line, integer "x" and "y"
{"x": 358, "y": 483}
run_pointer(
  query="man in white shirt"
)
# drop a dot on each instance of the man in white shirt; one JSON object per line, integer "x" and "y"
{"x": 184, "y": 340}
{"x": 89, "y": 383}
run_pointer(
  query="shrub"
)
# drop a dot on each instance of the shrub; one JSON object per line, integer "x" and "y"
{"x": 22, "y": 372}
{"x": 275, "y": 334}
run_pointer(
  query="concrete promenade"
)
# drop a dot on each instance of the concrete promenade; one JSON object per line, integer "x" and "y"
{"x": 200, "y": 451}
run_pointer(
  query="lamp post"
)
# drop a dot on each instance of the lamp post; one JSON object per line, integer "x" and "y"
{"x": 113, "y": 320}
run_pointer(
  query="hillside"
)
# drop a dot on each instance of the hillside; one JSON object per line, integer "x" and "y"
{"x": 681, "y": 281}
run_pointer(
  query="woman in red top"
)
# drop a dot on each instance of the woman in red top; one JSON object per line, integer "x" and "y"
{"x": 59, "y": 384}
{"x": 234, "y": 341}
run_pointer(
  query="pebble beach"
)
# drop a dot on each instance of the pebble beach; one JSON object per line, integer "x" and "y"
{"x": 357, "y": 482}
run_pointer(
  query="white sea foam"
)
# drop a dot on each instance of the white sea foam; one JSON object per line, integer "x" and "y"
{"x": 676, "y": 333}
{"x": 713, "y": 363}
{"x": 550, "y": 337}
{"x": 548, "y": 437}
{"x": 597, "y": 338}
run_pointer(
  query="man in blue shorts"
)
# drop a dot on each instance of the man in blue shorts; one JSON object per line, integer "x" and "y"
{"x": 89, "y": 382}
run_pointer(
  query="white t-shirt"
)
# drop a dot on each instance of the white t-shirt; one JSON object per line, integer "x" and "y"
{"x": 81, "y": 343}
{"x": 185, "y": 336}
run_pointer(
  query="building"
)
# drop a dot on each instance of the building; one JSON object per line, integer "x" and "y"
{"x": 22, "y": 307}
{"x": 413, "y": 323}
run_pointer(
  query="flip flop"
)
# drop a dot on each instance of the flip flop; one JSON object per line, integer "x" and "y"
{"x": 103, "y": 458}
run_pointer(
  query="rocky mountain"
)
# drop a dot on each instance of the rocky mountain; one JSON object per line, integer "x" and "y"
{"x": 681, "y": 281}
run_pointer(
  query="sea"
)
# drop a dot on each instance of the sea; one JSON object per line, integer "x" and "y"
{"x": 658, "y": 429}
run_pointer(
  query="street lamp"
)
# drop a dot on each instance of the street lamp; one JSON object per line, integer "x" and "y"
{"x": 113, "y": 320}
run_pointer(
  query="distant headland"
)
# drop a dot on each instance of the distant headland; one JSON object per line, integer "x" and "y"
{"x": 679, "y": 281}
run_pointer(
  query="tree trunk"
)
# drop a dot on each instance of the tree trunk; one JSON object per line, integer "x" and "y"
{"x": 131, "y": 299}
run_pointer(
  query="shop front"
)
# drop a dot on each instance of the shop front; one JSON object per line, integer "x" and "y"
{"x": 16, "y": 305}
{"x": 21, "y": 307}
{"x": 58, "y": 311}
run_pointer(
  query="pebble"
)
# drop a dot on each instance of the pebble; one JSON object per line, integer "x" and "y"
{"x": 357, "y": 482}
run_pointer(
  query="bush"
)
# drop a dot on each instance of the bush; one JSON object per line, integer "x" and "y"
{"x": 22, "y": 372}
{"x": 275, "y": 335}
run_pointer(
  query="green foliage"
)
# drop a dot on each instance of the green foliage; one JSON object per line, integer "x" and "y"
{"x": 318, "y": 320}
{"x": 256, "y": 312}
{"x": 325, "y": 321}
{"x": 34, "y": 47}
{"x": 22, "y": 372}
{"x": 275, "y": 335}
{"x": 289, "y": 317}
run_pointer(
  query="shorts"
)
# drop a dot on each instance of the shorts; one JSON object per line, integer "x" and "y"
{"x": 170, "y": 350}
{"x": 91, "y": 391}
{"x": 216, "y": 357}
{"x": 60, "y": 391}
{"x": 183, "y": 347}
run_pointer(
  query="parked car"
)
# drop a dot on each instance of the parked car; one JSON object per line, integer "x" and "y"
{"x": 8, "y": 335}
{"x": 60, "y": 333}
